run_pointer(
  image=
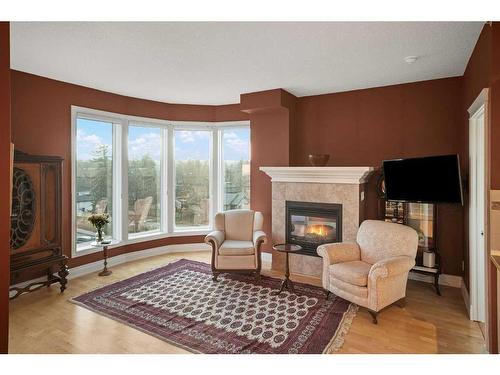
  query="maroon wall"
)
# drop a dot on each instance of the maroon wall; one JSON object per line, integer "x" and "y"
{"x": 270, "y": 138}
{"x": 494, "y": 115}
{"x": 364, "y": 127}
{"x": 4, "y": 185}
{"x": 476, "y": 77}
{"x": 41, "y": 124}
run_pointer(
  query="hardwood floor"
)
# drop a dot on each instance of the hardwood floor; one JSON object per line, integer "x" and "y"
{"x": 45, "y": 322}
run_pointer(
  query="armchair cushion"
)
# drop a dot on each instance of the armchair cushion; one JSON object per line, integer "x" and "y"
{"x": 233, "y": 247}
{"x": 239, "y": 225}
{"x": 355, "y": 272}
{"x": 339, "y": 252}
{"x": 392, "y": 266}
{"x": 217, "y": 236}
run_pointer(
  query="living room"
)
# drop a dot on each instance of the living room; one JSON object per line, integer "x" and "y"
{"x": 245, "y": 188}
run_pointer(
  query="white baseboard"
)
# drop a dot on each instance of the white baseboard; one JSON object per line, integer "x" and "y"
{"x": 444, "y": 279}
{"x": 266, "y": 257}
{"x": 465, "y": 296}
{"x": 85, "y": 269}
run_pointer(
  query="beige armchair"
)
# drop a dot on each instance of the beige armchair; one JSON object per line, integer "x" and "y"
{"x": 236, "y": 242}
{"x": 373, "y": 271}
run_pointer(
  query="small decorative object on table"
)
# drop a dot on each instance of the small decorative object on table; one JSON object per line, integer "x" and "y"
{"x": 286, "y": 248}
{"x": 318, "y": 160}
{"x": 99, "y": 221}
{"x": 104, "y": 245}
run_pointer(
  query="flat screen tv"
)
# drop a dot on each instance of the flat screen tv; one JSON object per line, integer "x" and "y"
{"x": 433, "y": 179}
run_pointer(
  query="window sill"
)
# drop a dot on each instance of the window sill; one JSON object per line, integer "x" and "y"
{"x": 88, "y": 249}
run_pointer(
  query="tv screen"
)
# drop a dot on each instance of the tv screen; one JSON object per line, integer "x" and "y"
{"x": 434, "y": 179}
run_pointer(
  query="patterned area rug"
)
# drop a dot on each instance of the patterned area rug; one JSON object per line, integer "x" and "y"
{"x": 180, "y": 304}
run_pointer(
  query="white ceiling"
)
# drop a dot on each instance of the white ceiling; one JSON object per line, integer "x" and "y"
{"x": 213, "y": 63}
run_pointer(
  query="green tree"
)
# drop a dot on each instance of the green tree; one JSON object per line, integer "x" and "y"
{"x": 101, "y": 175}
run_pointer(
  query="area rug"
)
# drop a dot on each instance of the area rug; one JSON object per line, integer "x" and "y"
{"x": 180, "y": 304}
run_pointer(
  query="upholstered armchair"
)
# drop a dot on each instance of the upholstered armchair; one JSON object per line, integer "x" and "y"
{"x": 373, "y": 271}
{"x": 236, "y": 242}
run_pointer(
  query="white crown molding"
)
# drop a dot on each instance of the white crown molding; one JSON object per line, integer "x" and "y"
{"x": 322, "y": 175}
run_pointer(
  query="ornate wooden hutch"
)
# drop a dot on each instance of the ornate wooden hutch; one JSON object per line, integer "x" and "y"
{"x": 36, "y": 231}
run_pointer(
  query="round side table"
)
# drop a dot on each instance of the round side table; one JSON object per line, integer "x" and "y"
{"x": 287, "y": 249}
{"x": 104, "y": 247}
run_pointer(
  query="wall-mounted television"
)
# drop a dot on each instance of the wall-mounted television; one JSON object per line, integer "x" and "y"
{"x": 433, "y": 179}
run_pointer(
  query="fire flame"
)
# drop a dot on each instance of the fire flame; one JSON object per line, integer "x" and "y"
{"x": 320, "y": 230}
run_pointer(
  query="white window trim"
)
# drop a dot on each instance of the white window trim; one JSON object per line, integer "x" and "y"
{"x": 167, "y": 174}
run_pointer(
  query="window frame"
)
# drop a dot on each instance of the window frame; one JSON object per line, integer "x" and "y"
{"x": 121, "y": 125}
{"x": 221, "y": 177}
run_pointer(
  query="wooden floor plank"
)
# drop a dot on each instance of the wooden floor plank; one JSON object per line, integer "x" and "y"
{"x": 45, "y": 322}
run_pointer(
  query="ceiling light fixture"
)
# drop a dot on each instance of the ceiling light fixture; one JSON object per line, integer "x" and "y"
{"x": 410, "y": 59}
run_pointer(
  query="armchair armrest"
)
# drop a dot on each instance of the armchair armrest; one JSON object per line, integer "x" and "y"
{"x": 258, "y": 236}
{"x": 217, "y": 236}
{"x": 391, "y": 267}
{"x": 339, "y": 252}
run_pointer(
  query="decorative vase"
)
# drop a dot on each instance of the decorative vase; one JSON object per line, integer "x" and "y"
{"x": 318, "y": 160}
{"x": 99, "y": 235}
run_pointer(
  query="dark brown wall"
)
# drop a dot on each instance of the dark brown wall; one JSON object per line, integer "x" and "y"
{"x": 364, "y": 127}
{"x": 4, "y": 184}
{"x": 495, "y": 106}
{"x": 494, "y": 114}
{"x": 476, "y": 77}
{"x": 270, "y": 139}
{"x": 41, "y": 124}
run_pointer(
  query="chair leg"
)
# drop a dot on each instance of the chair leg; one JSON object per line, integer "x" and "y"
{"x": 214, "y": 276}
{"x": 327, "y": 293}
{"x": 374, "y": 316}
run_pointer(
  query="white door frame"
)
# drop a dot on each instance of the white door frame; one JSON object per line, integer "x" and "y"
{"x": 478, "y": 250}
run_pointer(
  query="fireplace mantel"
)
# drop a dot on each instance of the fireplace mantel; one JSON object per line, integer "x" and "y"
{"x": 325, "y": 175}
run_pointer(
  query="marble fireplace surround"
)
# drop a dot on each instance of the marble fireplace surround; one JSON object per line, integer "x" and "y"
{"x": 343, "y": 185}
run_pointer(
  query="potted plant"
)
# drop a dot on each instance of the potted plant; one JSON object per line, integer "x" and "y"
{"x": 98, "y": 221}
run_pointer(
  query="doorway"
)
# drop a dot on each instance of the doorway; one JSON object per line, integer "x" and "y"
{"x": 477, "y": 209}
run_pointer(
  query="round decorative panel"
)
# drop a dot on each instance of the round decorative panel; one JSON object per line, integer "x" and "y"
{"x": 23, "y": 209}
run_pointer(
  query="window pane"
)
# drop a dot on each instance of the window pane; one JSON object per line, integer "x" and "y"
{"x": 94, "y": 176}
{"x": 192, "y": 178}
{"x": 236, "y": 154}
{"x": 144, "y": 202}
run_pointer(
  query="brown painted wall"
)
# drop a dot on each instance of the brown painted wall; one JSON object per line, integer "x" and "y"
{"x": 4, "y": 184}
{"x": 41, "y": 124}
{"x": 364, "y": 127}
{"x": 495, "y": 106}
{"x": 270, "y": 139}
{"x": 494, "y": 173}
{"x": 476, "y": 77}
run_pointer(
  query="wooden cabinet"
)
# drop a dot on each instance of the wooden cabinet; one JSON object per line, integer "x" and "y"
{"x": 35, "y": 235}
{"x": 423, "y": 218}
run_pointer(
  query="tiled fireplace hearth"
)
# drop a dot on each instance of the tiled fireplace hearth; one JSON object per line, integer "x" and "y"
{"x": 329, "y": 204}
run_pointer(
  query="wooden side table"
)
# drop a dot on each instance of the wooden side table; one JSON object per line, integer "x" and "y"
{"x": 104, "y": 247}
{"x": 287, "y": 249}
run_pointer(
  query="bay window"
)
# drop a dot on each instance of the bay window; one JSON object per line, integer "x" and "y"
{"x": 93, "y": 176}
{"x": 236, "y": 168}
{"x": 192, "y": 178}
{"x": 154, "y": 178}
{"x": 144, "y": 179}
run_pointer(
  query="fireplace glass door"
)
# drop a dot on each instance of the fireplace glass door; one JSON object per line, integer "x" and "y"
{"x": 312, "y": 224}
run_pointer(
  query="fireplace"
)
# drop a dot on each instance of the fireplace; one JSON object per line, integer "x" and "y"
{"x": 312, "y": 224}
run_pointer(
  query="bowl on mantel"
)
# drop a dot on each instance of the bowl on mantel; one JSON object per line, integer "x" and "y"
{"x": 318, "y": 160}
